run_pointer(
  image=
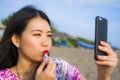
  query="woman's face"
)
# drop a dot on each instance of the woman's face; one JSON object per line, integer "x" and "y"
{"x": 35, "y": 39}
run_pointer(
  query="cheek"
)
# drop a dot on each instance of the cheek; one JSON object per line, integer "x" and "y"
{"x": 31, "y": 44}
{"x": 31, "y": 49}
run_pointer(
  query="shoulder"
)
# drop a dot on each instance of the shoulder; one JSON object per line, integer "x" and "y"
{"x": 66, "y": 71}
{"x": 59, "y": 61}
{"x": 7, "y": 74}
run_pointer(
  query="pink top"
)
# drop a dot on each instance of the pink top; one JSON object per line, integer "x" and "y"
{"x": 7, "y": 74}
{"x": 64, "y": 71}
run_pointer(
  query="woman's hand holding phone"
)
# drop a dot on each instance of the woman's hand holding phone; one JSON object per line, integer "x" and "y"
{"x": 106, "y": 64}
{"x": 106, "y": 58}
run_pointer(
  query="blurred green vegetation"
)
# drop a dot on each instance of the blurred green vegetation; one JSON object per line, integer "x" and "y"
{"x": 6, "y": 20}
{"x": 73, "y": 42}
{"x": 86, "y": 40}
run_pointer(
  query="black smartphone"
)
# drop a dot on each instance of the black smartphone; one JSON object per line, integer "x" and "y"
{"x": 100, "y": 34}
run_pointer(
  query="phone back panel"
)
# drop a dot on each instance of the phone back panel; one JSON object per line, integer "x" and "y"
{"x": 100, "y": 33}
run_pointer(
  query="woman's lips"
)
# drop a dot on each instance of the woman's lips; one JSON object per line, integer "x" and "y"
{"x": 45, "y": 52}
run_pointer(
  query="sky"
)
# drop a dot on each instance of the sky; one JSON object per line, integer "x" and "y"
{"x": 75, "y": 17}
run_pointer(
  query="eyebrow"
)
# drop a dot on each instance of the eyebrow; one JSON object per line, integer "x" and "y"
{"x": 41, "y": 31}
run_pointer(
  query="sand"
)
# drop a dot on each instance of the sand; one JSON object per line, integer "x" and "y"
{"x": 84, "y": 59}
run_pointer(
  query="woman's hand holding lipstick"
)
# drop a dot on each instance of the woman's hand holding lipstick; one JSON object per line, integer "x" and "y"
{"x": 47, "y": 73}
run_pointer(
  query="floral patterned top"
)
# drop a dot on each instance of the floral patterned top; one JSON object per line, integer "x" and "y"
{"x": 7, "y": 74}
{"x": 64, "y": 71}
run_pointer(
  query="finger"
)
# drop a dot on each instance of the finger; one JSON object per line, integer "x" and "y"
{"x": 53, "y": 68}
{"x": 52, "y": 72}
{"x": 107, "y": 63}
{"x": 106, "y": 58}
{"x": 50, "y": 64}
{"x": 50, "y": 69}
{"x": 41, "y": 67}
{"x": 106, "y": 50}
{"x": 105, "y": 44}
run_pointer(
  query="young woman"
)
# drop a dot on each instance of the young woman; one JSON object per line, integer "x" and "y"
{"x": 26, "y": 37}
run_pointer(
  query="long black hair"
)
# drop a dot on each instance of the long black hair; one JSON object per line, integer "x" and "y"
{"x": 8, "y": 51}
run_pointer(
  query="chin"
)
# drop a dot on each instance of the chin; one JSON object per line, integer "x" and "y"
{"x": 39, "y": 60}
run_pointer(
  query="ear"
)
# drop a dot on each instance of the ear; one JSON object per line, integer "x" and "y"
{"x": 15, "y": 40}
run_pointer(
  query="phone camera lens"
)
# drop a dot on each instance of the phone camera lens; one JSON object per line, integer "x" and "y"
{"x": 100, "y": 18}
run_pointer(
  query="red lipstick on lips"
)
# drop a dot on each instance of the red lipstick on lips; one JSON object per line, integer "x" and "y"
{"x": 45, "y": 53}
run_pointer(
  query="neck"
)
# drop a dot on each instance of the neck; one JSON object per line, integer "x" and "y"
{"x": 21, "y": 68}
{"x": 26, "y": 73}
{"x": 25, "y": 66}
{"x": 26, "y": 69}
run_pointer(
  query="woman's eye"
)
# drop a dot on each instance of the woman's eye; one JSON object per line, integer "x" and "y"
{"x": 49, "y": 35}
{"x": 36, "y": 34}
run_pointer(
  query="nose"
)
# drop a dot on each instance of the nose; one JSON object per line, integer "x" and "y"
{"x": 45, "y": 42}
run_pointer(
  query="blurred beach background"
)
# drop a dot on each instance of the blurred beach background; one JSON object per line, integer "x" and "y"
{"x": 84, "y": 59}
{"x": 73, "y": 25}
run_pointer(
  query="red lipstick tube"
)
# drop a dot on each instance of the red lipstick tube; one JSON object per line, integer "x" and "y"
{"x": 46, "y": 52}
